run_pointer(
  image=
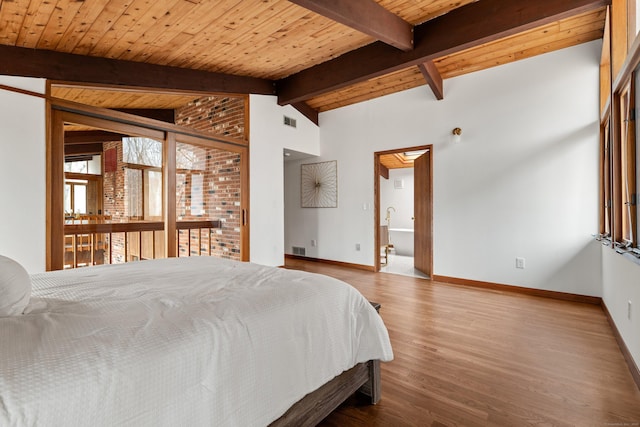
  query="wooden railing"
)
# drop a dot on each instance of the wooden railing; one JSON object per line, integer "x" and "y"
{"x": 190, "y": 227}
{"x": 93, "y": 243}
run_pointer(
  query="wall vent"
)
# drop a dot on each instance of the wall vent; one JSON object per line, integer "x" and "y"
{"x": 299, "y": 250}
{"x": 288, "y": 121}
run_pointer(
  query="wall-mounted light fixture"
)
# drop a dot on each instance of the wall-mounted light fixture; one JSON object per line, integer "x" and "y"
{"x": 456, "y": 134}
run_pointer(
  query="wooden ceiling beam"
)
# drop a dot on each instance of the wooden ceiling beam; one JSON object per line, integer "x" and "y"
{"x": 82, "y": 149}
{"x": 18, "y": 61}
{"x": 433, "y": 78}
{"x": 366, "y": 16}
{"x": 90, "y": 136}
{"x": 307, "y": 111}
{"x": 468, "y": 26}
{"x": 163, "y": 114}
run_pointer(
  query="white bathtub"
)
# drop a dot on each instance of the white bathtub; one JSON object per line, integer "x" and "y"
{"x": 402, "y": 240}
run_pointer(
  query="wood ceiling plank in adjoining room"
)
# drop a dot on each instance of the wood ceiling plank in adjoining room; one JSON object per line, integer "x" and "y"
{"x": 501, "y": 18}
{"x": 107, "y": 97}
{"x": 366, "y": 16}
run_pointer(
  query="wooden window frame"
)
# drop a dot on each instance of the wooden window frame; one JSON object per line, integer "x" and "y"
{"x": 61, "y": 111}
{"x": 618, "y": 222}
{"x": 627, "y": 176}
{"x": 605, "y": 180}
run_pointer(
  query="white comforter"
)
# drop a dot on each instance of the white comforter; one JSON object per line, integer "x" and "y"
{"x": 179, "y": 342}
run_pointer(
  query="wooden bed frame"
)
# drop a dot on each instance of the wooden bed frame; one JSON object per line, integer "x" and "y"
{"x": 315, "y": 406}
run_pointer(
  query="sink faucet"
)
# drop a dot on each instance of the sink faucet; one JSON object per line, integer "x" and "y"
{"x": 389, "y": 209}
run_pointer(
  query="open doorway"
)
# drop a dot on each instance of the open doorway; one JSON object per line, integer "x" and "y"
{"x": 403, "y": 211}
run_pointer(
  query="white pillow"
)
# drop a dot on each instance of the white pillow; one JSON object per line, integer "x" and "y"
{"x": 15, "y": 287}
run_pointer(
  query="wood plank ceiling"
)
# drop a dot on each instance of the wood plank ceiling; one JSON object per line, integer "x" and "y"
{"x": 269, "y": 46}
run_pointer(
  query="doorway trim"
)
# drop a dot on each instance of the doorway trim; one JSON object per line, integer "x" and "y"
{"x": 377, "y": 169}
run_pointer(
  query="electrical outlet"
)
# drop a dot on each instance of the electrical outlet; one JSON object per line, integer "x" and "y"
{"x": 357, "y": 246}
{"x": 629, "y": 309}
{"x": 519, "y": 262}
{"x": 314, "y": 243}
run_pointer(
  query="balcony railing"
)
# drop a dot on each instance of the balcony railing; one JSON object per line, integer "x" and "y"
{"x": 93, "y": 242}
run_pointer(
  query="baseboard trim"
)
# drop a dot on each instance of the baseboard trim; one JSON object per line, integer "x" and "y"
{"x": 519, "y": 289}
{"x": 328, "y": 261}
{"x": 635, "y": 372}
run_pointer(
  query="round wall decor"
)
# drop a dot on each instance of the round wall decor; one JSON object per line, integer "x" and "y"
{"x": 319, "y": 185}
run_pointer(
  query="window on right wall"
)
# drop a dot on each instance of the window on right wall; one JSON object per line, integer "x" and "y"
{"x": 635, "y": 161}
{"x": 627, "y": 176}
{"x": 619, "y": 171}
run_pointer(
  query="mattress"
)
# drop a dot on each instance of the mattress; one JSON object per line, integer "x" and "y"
{"x": 179, "y": 341}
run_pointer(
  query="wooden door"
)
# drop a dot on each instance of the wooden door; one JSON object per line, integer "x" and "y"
{"x": 422, "y": 208}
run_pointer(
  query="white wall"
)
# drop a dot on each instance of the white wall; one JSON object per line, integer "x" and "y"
{"x": 269, "y": 137}
{"x": 620, "y": 285}
{"x": 523, "y": 182}
{"x": 22, "y": 173}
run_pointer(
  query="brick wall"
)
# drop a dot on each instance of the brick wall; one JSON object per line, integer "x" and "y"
{"x": 114, "y": 201}
{"x": 218, "y": 194}
{"x": 215, "y": 114}
{"x": 221, "y": 180}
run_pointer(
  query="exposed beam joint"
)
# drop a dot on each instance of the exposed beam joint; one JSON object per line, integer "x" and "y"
{"x": 82, "y": 149}
{"x": 307, "y": 111}
{"x": 90, "y": 136}
{"x": 366, "y": 16}
{"x": 18, "y": 61}
{"x": 432, "y": 39}
{"x": 163, "y": 114}
{"x": 384, "y": 171}
{"x": 433, "y": 78}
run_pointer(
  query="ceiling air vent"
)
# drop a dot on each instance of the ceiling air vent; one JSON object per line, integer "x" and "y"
{"x": 288, "y": 121}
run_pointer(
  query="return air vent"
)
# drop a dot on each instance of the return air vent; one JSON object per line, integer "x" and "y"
{"x": 288, "y": 121}
{"x": 298, "y": 250}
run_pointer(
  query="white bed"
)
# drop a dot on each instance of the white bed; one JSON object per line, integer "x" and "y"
{"x": 188, "y": 341}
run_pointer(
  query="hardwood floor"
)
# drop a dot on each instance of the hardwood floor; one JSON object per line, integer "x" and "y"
{"x": 475, "y": 357}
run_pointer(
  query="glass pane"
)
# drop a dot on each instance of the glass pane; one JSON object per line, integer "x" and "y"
{"x": 67, "y": 199}
{"x": 76, "y": 167}
{"x": 142, "y": 151}
{"x": 208, "y": 189}
{"x": 133, "y": 192}
{"x": 637, "y": 122}
{"x": 94, "y": 166}
{"x": 197, "y": 196}
{"x": 153, "y": 194}
{"x": 80, "y": 198}
{"x": 123, "y": 187}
